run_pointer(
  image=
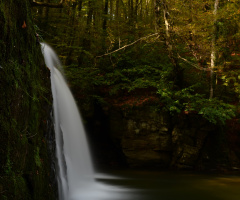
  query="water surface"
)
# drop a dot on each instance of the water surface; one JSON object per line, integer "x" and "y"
{"x": 145, "y": 185}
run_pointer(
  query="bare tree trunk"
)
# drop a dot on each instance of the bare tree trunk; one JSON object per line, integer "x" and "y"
{"x": 72, "y": 33}
{"x": 111, "y": 10}
{"x": 124, "y": 9}
{"x": 117, "y": 9}
{"x": 86, "y": 39}
{"x": 157, "y": 15}
{"x": 167, "y": 25}
{"x": 178, "y": 72}
{"x": 104, "y": 27}
{"x": 105, "y": 13}
{"x": 213, "y": 53}
{"x": 45, "y": 12}
{"x": 141, "y": 10}
{"x": 136, "y": 11}
{"x": 80, "y": 2}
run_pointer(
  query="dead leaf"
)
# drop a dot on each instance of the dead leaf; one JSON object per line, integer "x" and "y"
{"x": 24, "y": 25}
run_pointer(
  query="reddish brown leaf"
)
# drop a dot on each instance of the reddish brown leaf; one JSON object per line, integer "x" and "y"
{"x": 24, "y": 25}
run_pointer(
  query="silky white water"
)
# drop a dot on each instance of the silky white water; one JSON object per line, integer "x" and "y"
{"x": 75, "y": 167}
{"x": 76, "y": 178}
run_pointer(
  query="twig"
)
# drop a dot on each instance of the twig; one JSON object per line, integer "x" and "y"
{"x": 194, "y": 65}
{"x": 32, "y": 136}
{"x": 143, "y": 38}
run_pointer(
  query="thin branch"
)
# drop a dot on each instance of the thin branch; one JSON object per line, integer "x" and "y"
{"x": 50, "y": 5}
{"x": 32, "y": 136}
{"x": 194, "y": 65}
{"x": 194, "y": 53}
{"x": 140, "y": 39}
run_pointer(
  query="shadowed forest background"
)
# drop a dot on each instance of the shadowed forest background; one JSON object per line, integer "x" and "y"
{"x": 180, "y": 58}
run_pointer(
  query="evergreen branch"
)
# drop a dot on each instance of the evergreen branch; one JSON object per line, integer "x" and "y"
{"x": 127, "y": 45}
{"x": 50, "y": 5}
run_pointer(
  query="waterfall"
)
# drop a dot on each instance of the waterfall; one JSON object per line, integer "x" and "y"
{"x": 74, "y": 162}
{"x": 76, "y": 177}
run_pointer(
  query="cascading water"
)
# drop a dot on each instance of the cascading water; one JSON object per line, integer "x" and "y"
{"x": 75, "y": 167}
{"x": 76, "y": 177}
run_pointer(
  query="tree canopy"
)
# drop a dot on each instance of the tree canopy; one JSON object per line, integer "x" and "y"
{"x": 181, "y": 56}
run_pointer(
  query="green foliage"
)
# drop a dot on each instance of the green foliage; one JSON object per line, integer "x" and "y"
{"x": 187, "y": 101}
{"x": 177, "y": 101}
{"x": 215, "y": 111}
{"x": 135, "y": 70}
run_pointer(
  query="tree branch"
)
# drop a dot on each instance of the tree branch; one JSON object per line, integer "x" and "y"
{"x": 193, "y": 64}
{"x": 50, "y": 5}
{"x": 140, "y": 39}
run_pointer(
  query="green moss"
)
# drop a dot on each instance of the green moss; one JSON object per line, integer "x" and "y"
{"x": 24, "y": 109}
{"x": 37, "y": 157}
{"x": 8, "y": 167}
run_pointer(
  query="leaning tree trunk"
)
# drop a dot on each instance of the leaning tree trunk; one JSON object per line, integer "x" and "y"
{"x": 177, "y": 70}
{"x": 24, "y": 111}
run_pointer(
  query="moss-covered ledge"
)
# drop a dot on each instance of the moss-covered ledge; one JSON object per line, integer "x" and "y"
{"x": 25, "y": 107}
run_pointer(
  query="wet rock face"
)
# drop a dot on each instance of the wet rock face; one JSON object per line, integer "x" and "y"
{"x": 188, "y": 139}
{"x": 24, "y": 107}
{"x": 147, "y": 139}
{"x": 155, "y": 139}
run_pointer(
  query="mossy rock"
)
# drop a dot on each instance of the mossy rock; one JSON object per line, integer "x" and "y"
{"x": 24, "y": 107}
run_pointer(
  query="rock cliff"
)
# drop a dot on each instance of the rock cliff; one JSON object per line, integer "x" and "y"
{"x": 155, "y": 139}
